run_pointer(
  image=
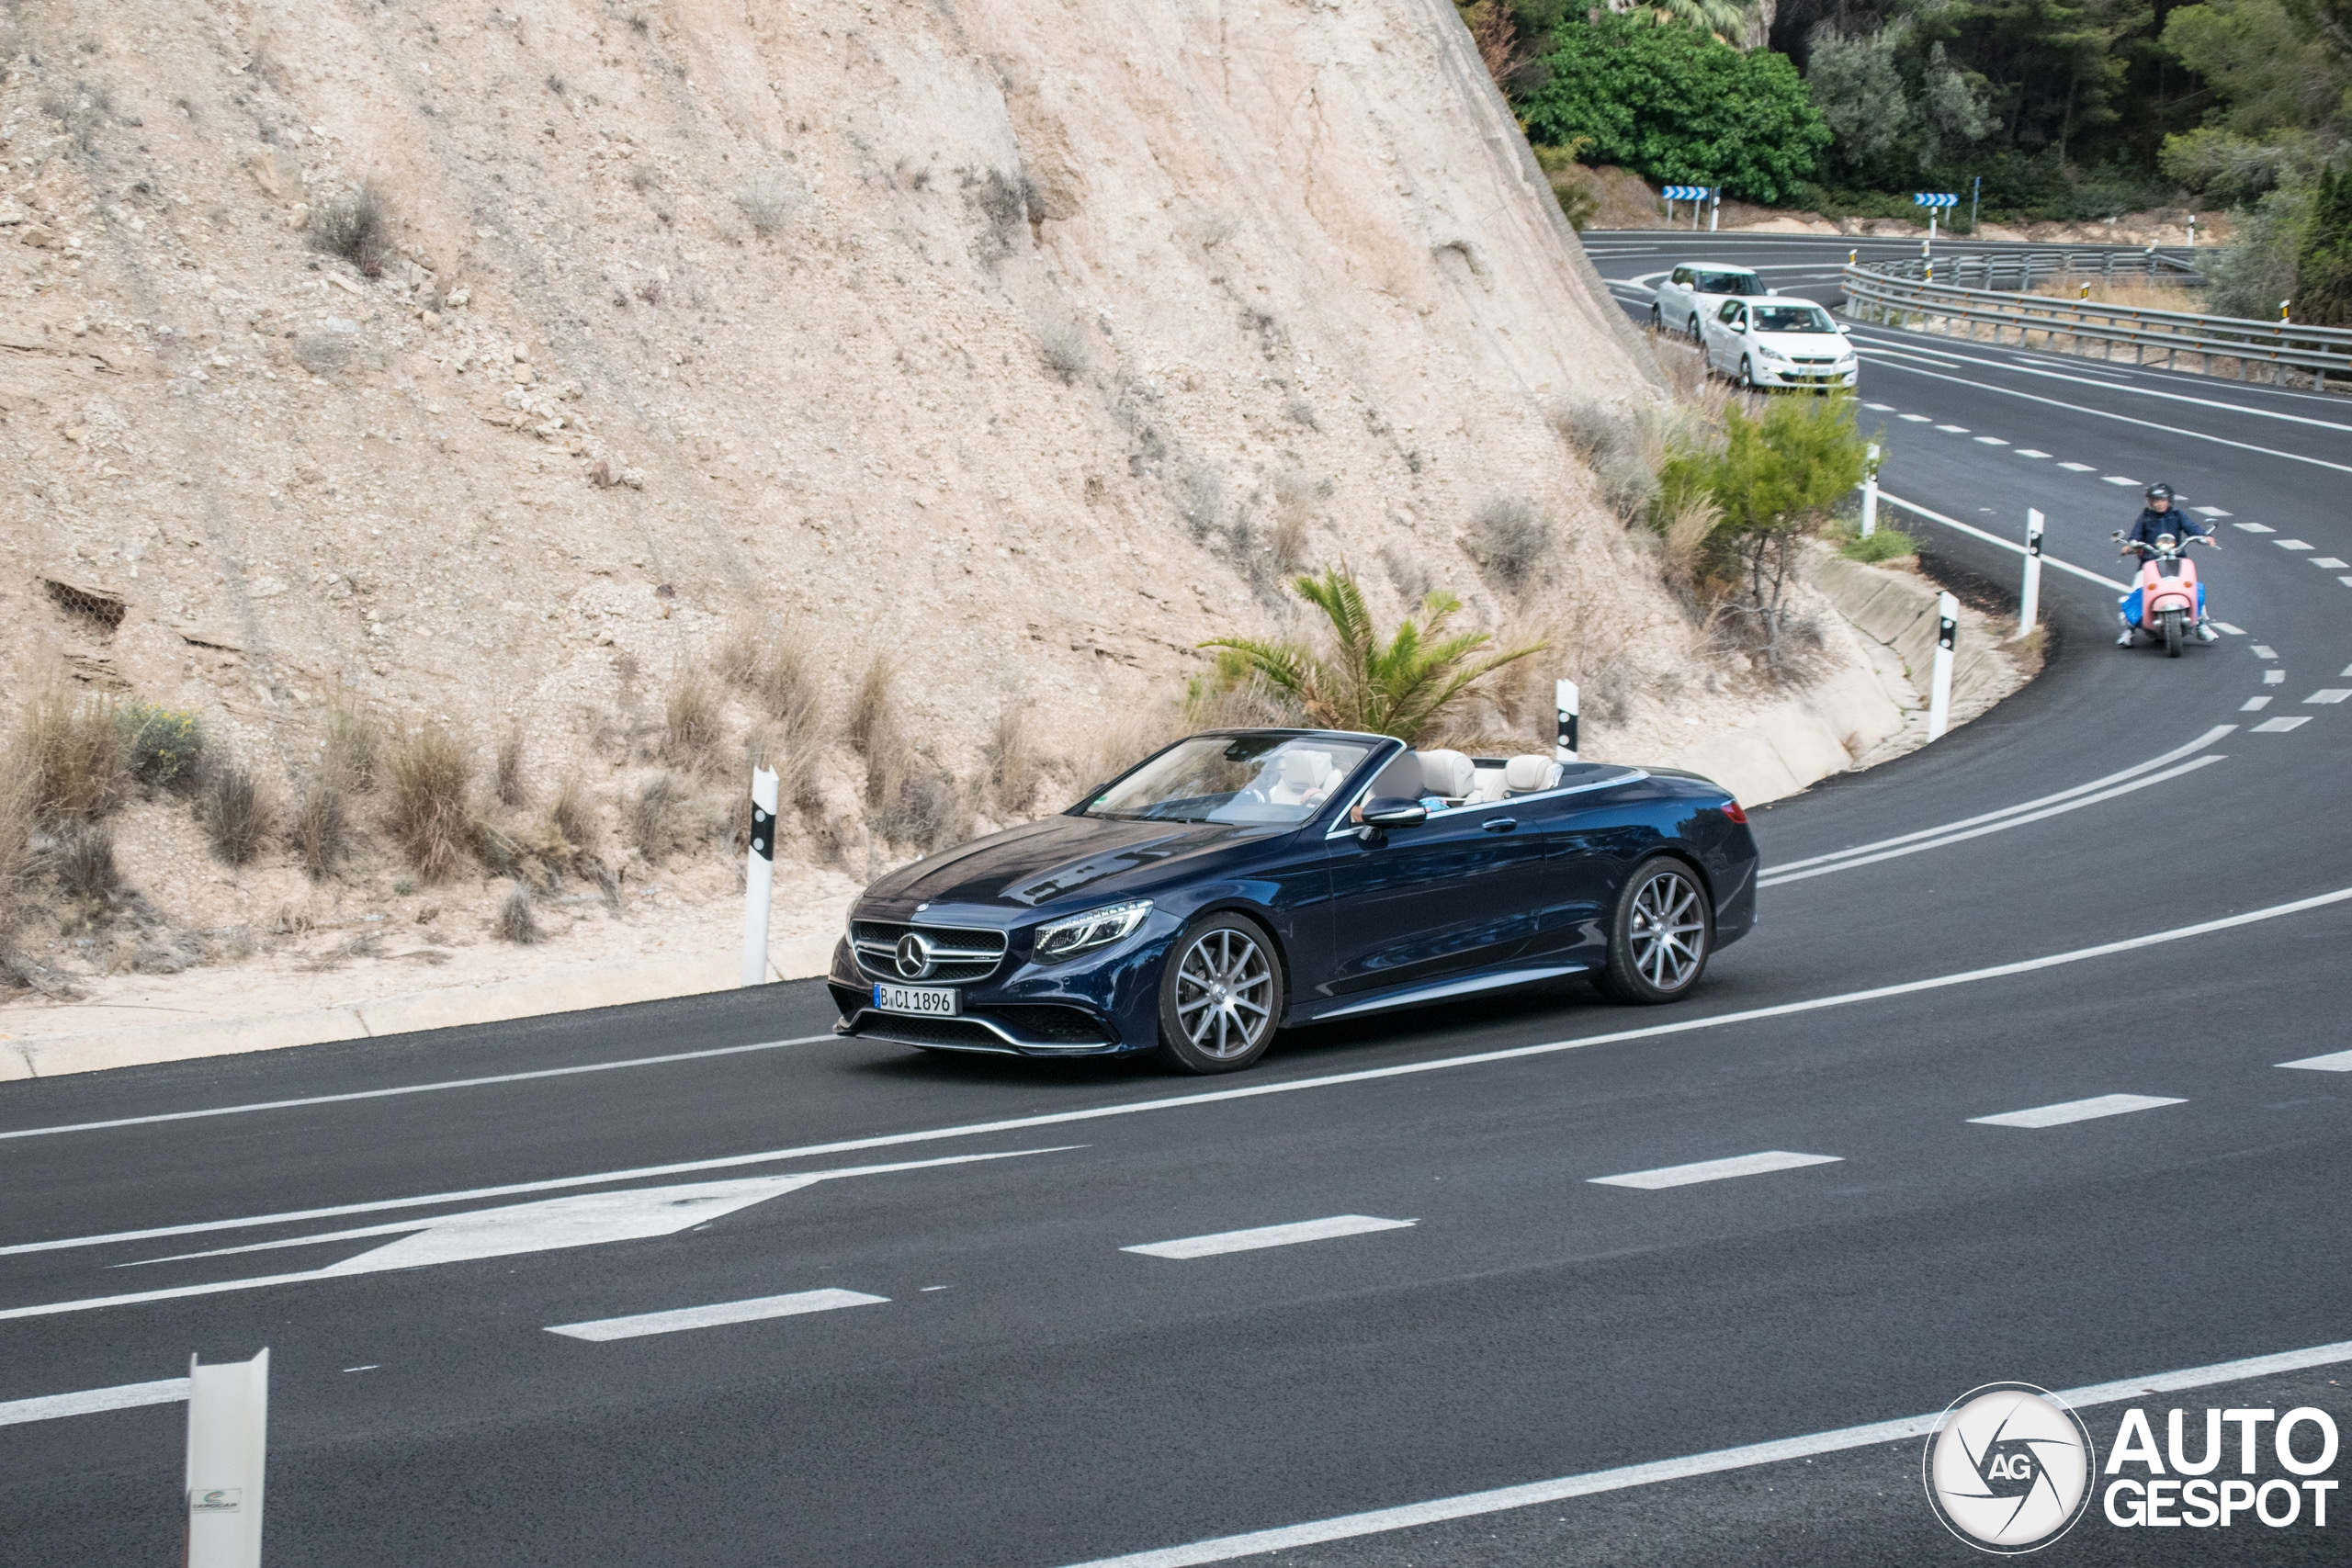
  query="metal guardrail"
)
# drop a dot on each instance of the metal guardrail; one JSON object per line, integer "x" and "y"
{"x": 1879, "y": 293}
{"x": 2015, "y": 269}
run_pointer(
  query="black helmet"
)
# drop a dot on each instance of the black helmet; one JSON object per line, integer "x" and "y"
{"x": 2160, "y": 492}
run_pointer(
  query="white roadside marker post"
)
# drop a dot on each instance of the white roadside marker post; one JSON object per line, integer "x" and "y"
{"x": 1563, "y": 703}
{"x": 1939, "y": 689}
{"x": 1870, "y": 491}
{"x": 2029, "y": 603}
{"x": 228, "y": 1441}
{"x": 759, "y": 877}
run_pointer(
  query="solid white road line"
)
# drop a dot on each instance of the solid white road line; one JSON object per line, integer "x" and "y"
{"x": 2076, "y": 1111}
{"x": 2278, "y": 726}
{"x": 411, "y": 1089}
{"x": 753, "y": 1311}
{"x": 2175, "y": 754}
{"x": 1714, "y": 1170}
{"x": 1852, "y": 862}
{"x": 1270, "y": 1235}
{"x": 1227, "y": 1549}
{"x": 1246, "y": 1092}
{"x": 2047, "y": 561}
{"x": 88, "y": 1401}
{"x": 2334, "y": 1062}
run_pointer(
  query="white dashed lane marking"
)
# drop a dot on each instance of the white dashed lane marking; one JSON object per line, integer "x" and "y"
{"x": 2225, "y": 627}
{"x": 1990, "y": 441}
{"x": 1953, "y": 429}
{"x": 1716, "y": 1170}
{"x": 2291, "y": 543}
{"x": 2331, "y": 695}
{"x": 1270, "y": 1235}
{"x": 1915, "y": 419}
{"x": 2274, "y": 677}
{"x": 2254, "y": 705}
{"x": 2264, "y": 650}
{"x": 2334, "y": 1062}
{"x": 89, "y": 1402}
{"x": 712, "y": 1316}
{"x": 2079, "y": 468}
{"x": 2076, "y": 1111}
{"x": 2117, "y": 480}
{"x": 2030, "y": 452}
{"x": 2330, "y": 563}
{"x": 1880, "y": 408}
{"x": 2209, "y": 512}
{"x": 2254, "y": 527}
{"x": 2277, "y": 726}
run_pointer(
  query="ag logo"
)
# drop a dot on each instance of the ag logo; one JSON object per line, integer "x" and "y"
{"x": 2009, "y": 1468}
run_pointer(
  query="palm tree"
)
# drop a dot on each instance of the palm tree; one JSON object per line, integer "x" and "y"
{"x": 1727, "y": 19}
{"x": 1402, "y": 689}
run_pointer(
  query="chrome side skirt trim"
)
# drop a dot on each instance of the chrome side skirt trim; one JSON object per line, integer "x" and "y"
{"x": 1453, "y": 989}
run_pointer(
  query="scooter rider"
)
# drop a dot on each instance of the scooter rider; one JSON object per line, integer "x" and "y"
{"x": 2158, "y": 518}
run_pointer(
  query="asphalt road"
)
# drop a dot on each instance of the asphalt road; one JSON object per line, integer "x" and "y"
{"x": 982, "y": 1372}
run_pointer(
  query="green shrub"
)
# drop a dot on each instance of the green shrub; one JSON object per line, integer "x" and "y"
{"x": 1676, "y": 106}
{"x": 1886, "y": 544}
{"x": 164, "y": 744}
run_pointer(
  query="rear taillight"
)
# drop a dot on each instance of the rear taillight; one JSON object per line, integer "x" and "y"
{"x": 1732, "y": 809}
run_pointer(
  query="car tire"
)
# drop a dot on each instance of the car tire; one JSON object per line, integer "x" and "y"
{"x": 1746, "y": 375}
{"x": 1692, "y": 326}
{"x": 1658, "y": 322}
{"x": 1220, "y": 995}
{"x": 1660, "y": 935}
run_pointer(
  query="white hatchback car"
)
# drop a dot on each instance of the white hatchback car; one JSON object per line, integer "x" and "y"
{"x": 1695, "y": 290}
{"x": 1778, "y": 342}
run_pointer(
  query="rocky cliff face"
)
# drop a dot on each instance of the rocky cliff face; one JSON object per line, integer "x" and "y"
{"x": 1024, "y": 345}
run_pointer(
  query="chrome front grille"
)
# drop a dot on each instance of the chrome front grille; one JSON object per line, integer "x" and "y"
{"x": 948, "y": 954}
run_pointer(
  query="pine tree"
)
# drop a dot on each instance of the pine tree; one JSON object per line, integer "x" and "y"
{"x": 2324, "y": 268}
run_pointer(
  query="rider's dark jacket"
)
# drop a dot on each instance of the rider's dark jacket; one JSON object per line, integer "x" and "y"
{"x": 2153, "y": 523}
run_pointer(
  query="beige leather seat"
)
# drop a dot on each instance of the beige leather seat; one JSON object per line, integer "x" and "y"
{"x": 1529, "y": 775}
{"x": 1449, "y": 775}
{"x": 1305, "y": 776}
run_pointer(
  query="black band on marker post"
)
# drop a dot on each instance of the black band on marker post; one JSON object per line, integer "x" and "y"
{"x": 1946, "y": 632}
{"x": 762, "y": 832}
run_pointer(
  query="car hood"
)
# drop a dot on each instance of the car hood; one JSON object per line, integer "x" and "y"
{"x": 1042, "y": 862}
{"x": 1810, "y": 345}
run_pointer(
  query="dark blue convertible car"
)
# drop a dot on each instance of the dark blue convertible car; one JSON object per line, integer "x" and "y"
{"x": 1243, "y": 880}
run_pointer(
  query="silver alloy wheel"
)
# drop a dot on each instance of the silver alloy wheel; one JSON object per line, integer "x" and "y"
{"x": 1669, "y": 930}
{"x": 1746, "y": 375}
{"x": 1224, "y": 988}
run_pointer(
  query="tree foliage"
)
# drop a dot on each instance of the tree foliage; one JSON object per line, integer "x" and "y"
{"x": 2323, "y": 268}
{"x": 1404, "y": 686}
{"x": 1675, "y": 105}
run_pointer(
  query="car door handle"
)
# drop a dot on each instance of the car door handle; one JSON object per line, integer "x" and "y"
{"x": 1501, "y": 824}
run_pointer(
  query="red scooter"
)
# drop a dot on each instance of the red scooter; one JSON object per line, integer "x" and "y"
{"x": 2168, "y": 602}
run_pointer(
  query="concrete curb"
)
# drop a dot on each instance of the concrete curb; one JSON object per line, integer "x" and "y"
{"x": 570, "y": 989}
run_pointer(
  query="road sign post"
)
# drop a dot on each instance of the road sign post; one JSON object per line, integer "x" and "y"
{"x": 759, "y": 877}
{"x": 228, "y": 1441}
{"x": 2030, "y": 601}
{"x": 1939, "y": 689}
{"x": 1870, "y": 491}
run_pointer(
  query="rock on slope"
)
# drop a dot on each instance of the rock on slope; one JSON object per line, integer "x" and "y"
{"x": 1024, "y": 345}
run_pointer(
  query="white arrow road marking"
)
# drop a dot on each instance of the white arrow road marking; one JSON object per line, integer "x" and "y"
{"x": 1270, "y": 1235}
{"x": 88, "y": 1401}
{"x": 2076, "y": 1111}
{"x": 717, "y": 1314}
{"x": 582, "y": 1220}
{"x": 1716, "y": 1170}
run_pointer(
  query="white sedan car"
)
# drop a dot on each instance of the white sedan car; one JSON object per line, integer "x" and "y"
{"x": 1696, "y": 290}
{"x": 1779, "y": 342}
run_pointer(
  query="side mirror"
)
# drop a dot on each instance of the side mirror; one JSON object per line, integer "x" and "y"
{"x": 1771, "y": 292}
{"x": 1391, "y": 811}
{"x": 1843, "y": 330}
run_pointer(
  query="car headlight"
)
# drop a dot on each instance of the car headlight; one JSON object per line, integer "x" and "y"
{"x": 1096, "y": 928}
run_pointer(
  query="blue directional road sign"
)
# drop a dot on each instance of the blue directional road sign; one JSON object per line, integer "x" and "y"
{"x": 1687, "y": 193}
{"x": 1929, "y": 199}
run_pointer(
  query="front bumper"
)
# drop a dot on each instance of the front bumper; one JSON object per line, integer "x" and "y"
{"x": 1770, "y": 375}
{"x": 1099, "y": 1006}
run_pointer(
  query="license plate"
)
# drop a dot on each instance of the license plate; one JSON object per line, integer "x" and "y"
{"x": 928, "y": 1001}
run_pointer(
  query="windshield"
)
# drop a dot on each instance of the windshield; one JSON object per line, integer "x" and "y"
{"x": 1233, "y": 778}
{"x": 1794, "y": 318}
{"x": 1743, "y": 283}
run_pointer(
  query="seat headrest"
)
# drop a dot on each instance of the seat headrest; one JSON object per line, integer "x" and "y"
{"x": 1449, "y": 775}
{"x": 1525, "y": 775}
{"x": 1306, "y": 770}
{"x": 1400, "y": 780}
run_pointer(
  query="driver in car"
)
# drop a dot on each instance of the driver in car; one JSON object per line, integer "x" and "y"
{"x": 2155, "y": 519}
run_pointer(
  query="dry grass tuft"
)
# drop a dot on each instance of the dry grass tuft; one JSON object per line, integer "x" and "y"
{"x": 1014, "y": 768}
{"x": 320, "y": 830}
{"x": 359, "y": 229}
{"x": 507, "y": 777}
{"x": 80, "y": 760}
{"x": 354, "y": 746}
{"x": 1063, "y": 348}
{"x": 573, "y": 820}
{"x": 234, "y": 810}
{"x": 430, "y": 813}
{"x": 517, "y": 919}
{"x": 657, "y": 819}
{"x": 1123, "y": 737}
{"x": 1687, "y": 530}
{"x": 777, "y": 677}
{"x": 693, "y": 724}
{"x": 869, "y": 706}
{"x": 1509, "y": 538}
{"x": 84, "y": 864}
